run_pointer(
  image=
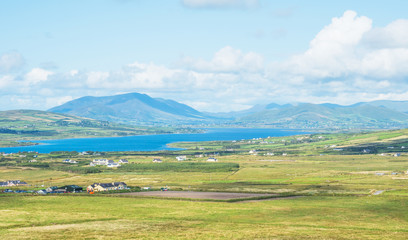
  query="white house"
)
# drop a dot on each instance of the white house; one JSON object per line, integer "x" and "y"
{"x": 211, "y": 159}
{"x": 100, "y": 161}
{"x": 181, "y": 158}
{"x": 69, "y": 161}
{"x": 123, "y": 161}
{"x": 113, "y": 164}
{"x": 157, "y": 160}
{"x": 252, "y": 152}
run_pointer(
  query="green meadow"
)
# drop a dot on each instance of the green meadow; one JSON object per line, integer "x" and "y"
{"x": 321, "y": 192}
{"x": 101, "y": 217}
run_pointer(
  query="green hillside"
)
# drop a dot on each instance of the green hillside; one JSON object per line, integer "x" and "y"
{"x": 17, "y": 125}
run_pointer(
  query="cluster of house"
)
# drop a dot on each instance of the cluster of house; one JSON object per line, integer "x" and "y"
{"x": 12, "y": 183}
{"x": 179, "y": 158}
{"x": 96, "y": 187}
{"x": 108, "y": 163}
{"x": 63, "y": 189}
{"x": 101, "y": 187}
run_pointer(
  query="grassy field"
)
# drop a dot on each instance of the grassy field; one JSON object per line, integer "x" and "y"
{"x": 100, "y": 217}
{"x": 336, "y": 191}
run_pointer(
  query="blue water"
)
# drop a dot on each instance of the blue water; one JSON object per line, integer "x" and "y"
{"x": 148, "y": 142}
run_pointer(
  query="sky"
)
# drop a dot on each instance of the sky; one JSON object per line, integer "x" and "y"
{"x": 213, "y": 55}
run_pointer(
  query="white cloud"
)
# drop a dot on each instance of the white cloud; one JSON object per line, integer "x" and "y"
{"x": 97, "y": 79}
{"x": 332, "y": 52}
{"x": 220, "y": 3}
{"x": 350, "y": 47}
{"x": 394, "y": 35}
{"x": 10, "y": 61}
{"x": 385, "y": 63}
{"x": 227, "y": 59}
{"x": 56, "y": 101}
{"x": 6, "y": 81}
{"x": 37, "y": 75}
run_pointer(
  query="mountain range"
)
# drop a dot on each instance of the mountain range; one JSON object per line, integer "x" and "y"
{"x": 136, "y": 108}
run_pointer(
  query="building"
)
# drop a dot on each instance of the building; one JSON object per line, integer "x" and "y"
{"x": 252, "y": 152}
{"x": 211, "y": 159}
{"x": 69, "y": 161}
{"x": 157, "y": 160}
{"x": 55, "y": 189}
{"x": 101, "y": 187}
{"x": 113, "y": 164}
{"x": 123, "y": 161}
{"x": 100, "y": 162}
{"x": 10, "y": 183}
{"x": 181, "y": 158}
{"x": 72, "y": 188}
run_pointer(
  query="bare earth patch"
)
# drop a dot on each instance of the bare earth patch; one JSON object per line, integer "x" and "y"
{"x": 198, "y": 195}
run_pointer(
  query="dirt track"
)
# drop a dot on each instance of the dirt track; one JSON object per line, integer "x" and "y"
{"x": 198, "y": 195}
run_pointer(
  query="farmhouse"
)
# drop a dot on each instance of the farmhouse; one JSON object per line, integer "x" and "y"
{"x": 181, "y": 158}
{"x": 55, "y": 189}
{"x": 254, "y": 152}
{"x": 100, "y": 162}
{"x": 123, "y": 161}
{"x": 101, "y": 187}
{"x": 113, "y": 164}
{"x": 69, "y": 161}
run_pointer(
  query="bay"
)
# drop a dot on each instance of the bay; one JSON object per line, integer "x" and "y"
{"x": 148, "y": 142}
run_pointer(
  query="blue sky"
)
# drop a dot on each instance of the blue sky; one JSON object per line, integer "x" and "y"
{"x": 212, "y": 55}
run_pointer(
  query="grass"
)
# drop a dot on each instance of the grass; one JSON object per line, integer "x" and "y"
{"x": 60, "y": 217}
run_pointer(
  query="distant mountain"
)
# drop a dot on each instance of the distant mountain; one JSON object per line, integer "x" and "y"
{"x": 132, "y": 108}
{"x": 243, "y": 113}
{"x": 307, "y": 115}
{"x": 400, "y": 106}
{"x": 136, "y": 108}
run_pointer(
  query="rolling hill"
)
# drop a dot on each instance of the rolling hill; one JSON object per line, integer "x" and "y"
{"x": 307, "y": 115}
{"x": 17, "y": 125}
